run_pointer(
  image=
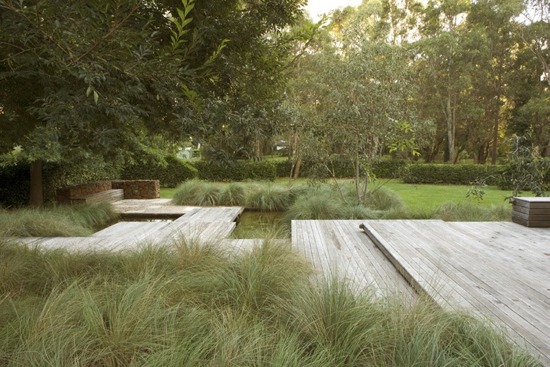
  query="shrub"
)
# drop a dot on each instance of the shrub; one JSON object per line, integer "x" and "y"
{"x": 282, "y": 167}
{"x": 458, "y": 174}
{"x": 170, "y": 174}
{"x": 342, "y": 168}
{"x": 389, "y": 168}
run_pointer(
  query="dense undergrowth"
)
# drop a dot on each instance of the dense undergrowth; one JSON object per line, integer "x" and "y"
{"x": 190, "y": 305}
{"x": 60, "y": 221}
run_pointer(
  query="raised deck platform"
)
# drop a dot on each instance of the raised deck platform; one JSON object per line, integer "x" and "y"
{"x": 499, "y": 271}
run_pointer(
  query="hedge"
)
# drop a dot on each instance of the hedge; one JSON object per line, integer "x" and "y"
{"x": 169, "y": 175}
{"x": 237, "y": 170}
{"x": 457, "y": 174}
{"x": 343, "y": 168}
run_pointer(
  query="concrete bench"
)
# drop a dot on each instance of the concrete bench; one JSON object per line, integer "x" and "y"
{"x": 531, "y": 211}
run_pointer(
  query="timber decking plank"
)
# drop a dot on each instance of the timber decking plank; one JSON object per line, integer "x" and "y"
{"x": 484, "y": 295}
{"x": 483, "y": 264}
{"x": 383, "y": 271}
{"x": 365, "y": 270}
{"x": 424, "y": 274}
{"x": 353, "y": 267}
{"x": 339, "y": 247}
{"x": 213, "y": 214}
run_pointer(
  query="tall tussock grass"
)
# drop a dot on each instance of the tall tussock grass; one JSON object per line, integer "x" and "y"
{"x": 61, "y": 221}
{"x": 468, "y": 212}
{"x": 200, "y": 305}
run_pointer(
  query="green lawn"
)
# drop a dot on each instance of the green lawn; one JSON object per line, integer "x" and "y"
{"x": 167, "y": 192}
{"x": 429, "y": 197}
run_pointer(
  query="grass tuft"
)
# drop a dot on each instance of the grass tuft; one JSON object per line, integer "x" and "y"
{"x": 198, "y": 305}
{"x": 269, "y": 197}
{"x": 197, "y": 192}
{"x": 469, "y": 212}
{"x": 62, "y": 221}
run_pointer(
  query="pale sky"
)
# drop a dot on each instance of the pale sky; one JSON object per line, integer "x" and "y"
{"x": 317, "y": 7}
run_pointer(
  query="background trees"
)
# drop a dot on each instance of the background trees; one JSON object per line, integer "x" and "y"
{"x": 101, "y": 83}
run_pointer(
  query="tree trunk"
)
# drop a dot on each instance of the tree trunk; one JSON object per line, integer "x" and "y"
{"x": 297, "y": 168}
{"x": 36, "y": 194}
{"x": 451, "y": 129}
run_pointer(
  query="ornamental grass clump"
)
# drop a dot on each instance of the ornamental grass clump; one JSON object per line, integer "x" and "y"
{"x": 469, "y": 212}
{"x": 269, "y": 197}
{"x": 61, "y": 221}
{"x": 197, "y": 192}
{"x": 233, "y": 194}
{"x": 191, "y": 304}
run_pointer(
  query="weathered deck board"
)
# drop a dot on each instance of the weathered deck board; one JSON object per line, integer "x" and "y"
{"x": 340, "y": 248}
{"x": 197, "y": 224}
{"x": 214, "y": 214}
{"x": 498, "y": 271}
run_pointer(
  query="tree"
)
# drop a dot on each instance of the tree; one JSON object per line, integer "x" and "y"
{"x": 90, "y": 79}
{"x": 350, "y": 96}
{"x": 240, "y": 98}
{"x": 445, "y": 60}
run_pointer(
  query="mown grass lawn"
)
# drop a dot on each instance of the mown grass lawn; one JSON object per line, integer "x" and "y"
{"x": 429, "y": 197}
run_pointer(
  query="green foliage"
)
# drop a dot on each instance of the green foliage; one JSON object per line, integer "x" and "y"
{"x": 233, "y": 194}
{"x": 458, "y": 174}
{"x": 62, "y": 221}
{"x": 197, "y": 305}
{"x": 340, "y": 203}
{"x": 236, "y": 170}
{"x": 342, "y": 168}
{"x": 526, "y": 169}
{"x": 171, "y": 172}
{"x": 389, "y": 168}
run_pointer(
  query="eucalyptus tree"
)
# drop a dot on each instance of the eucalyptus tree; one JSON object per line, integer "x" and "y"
{"x": 445, "y": 62}
{"x": 352, "y": 94}
{"x": 492, "y": 23}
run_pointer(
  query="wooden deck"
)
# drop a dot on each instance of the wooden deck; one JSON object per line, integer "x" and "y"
{"x": 150, "y": 208}
{"x": 340, "y": 248}
{"x": 198, "y": 224}
{"x": 499, "y": 271}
